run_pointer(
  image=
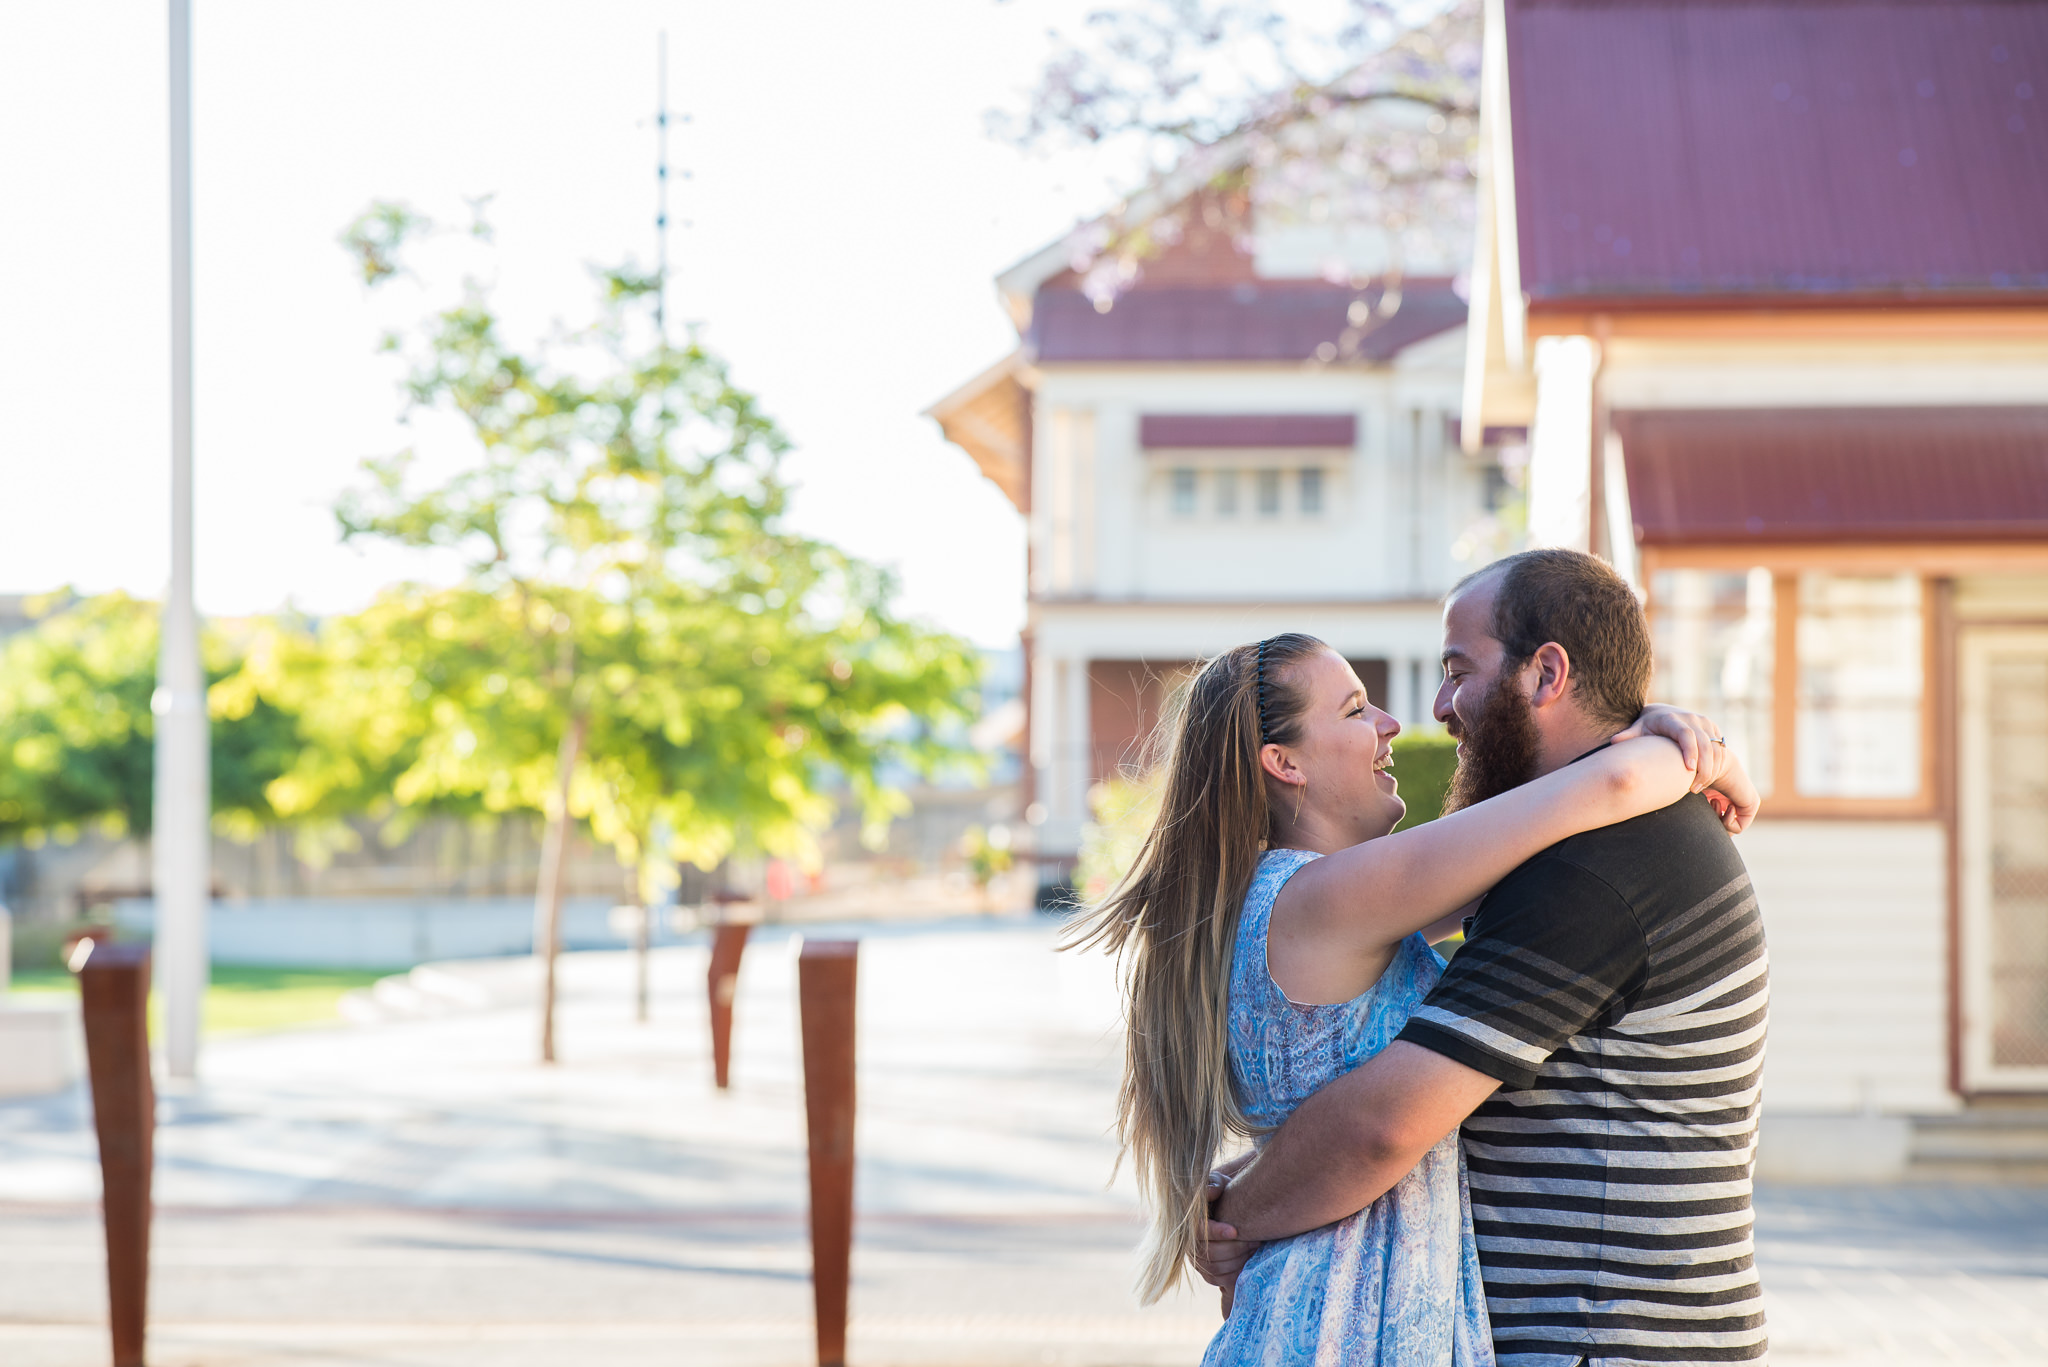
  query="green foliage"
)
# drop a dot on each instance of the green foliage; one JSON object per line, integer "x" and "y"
{"x": 986, "y": 859}
{"x": 1423, "y": 764}
{"x": 241, "y": 999}
{"x": 37, "y": 946}
{"x": 1123, "y": 810}
{"x": 77, "y": 738}
{"x": 631, "y": 598}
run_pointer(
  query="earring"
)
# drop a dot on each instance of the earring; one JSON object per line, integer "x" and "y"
{"x": 1298, "y": 800}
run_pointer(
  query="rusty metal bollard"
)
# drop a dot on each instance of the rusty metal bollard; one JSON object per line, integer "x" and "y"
{"x": 728, "y": 943}
{"x": 825, "y": 971}
{"x": 113, "y": 983}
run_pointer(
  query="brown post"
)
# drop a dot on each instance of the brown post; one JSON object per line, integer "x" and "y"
{"x": 728, "y": 942}
{"x": 113, "y": 981}
{"x": 825, "y": 972}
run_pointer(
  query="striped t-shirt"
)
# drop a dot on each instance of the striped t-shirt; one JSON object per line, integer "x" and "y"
{"x": 1617, "y": 985}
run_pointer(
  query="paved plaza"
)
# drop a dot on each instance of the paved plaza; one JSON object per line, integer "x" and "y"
{"x": 418, "y": 1191}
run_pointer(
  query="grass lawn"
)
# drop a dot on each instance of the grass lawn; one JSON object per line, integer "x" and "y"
{"x": 241, "y": 999}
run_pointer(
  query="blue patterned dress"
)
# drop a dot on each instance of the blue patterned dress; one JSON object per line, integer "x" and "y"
{"x": 1396, "y": 1285}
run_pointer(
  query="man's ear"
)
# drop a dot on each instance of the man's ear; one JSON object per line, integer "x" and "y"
{"x": 1552, "y": 674}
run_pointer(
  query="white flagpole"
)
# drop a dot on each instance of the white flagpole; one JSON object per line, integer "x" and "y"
{"x": 183, "y": 805}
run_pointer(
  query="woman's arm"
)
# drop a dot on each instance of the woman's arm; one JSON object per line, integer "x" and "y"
{"x": 1716, "y": 770}
{"x": 1362, "y": 899}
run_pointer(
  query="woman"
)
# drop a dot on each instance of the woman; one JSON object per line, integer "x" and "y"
{"x": 1272, "y": 924}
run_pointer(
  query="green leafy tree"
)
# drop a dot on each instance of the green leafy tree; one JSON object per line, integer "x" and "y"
{"x": 638, "y": 641}
{"x": 77, "y": 737}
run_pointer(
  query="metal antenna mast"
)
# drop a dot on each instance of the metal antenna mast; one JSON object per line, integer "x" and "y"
{"x": 661, "y": 189}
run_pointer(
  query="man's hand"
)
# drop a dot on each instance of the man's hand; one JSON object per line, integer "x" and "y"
{"x": 1223, "y": 1254}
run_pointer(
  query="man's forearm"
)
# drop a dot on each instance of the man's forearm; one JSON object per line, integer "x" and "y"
{"x": 1321, "y": 1166}
{"x": 1347, "y": 1145}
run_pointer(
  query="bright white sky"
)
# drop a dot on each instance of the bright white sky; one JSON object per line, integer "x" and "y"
{"x": 848, "y": 210}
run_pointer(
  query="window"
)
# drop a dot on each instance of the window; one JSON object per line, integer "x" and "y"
{"x": 1819, "y": 678}
{"x": 1715, "y": 636}
{"x": 1268, "y": 491}
{"x": 1311, "y": 490}
{"x": 1183, "y": 492}
{"x": 1860, "y": 686}
{"x": 1226, "y": 493}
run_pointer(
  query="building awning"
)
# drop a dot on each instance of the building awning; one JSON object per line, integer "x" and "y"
{"x": 1220, "y": 431}
{"x": 1833, "y": 474}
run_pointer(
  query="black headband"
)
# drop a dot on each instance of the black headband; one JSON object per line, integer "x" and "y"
{"x": 1262, "y": 690}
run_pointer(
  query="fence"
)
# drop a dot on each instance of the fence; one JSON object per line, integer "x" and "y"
{"x": 387, "y": 932}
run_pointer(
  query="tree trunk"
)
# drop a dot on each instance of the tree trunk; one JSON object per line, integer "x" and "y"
{"x": 643, "y": 934}
{"x": 547, "y": 899}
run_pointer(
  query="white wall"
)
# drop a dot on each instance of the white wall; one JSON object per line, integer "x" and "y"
{"x": 1855, "y": 913}
{"x": 1119, "y": 574}
{"x": 1103, "y": 525}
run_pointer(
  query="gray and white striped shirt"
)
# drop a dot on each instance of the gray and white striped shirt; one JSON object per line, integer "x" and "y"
{"x": 1618, "y": 986}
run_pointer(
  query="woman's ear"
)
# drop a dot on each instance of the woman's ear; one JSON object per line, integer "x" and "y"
{"x": 1275, "y": 760}
{"x": 1553, "y": 674}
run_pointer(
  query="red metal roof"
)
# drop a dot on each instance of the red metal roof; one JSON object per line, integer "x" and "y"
{"x": 1247, "y": 429}
{"x": 1267, "y": 321}
{"x": 1834, "y": 474}
{"x": 1824, "y": 149}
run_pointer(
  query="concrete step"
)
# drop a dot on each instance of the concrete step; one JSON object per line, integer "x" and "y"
{"x": 1988, "y": 1141}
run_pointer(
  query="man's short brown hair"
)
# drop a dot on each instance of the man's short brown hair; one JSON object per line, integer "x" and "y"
{"x": 1578, "y": 601}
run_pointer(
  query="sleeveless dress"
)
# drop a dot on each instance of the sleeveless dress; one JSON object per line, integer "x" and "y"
{"x": 1396, "y": 1285}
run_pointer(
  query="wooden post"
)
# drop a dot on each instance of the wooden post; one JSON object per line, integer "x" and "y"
{"x": 728, "y": 943}
{"x": 825, "y": 974}
{"x": 113, "y": 981}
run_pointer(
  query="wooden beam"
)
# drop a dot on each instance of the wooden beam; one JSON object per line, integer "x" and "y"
{"x": 1784, "y": 691}
{"x": 1947, "y": 736}
{"x": 2006, "y": 323}
{"x": 1937, "y": 558}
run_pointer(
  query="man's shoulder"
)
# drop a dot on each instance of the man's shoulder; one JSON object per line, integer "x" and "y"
{"x": 1677, "y": 852}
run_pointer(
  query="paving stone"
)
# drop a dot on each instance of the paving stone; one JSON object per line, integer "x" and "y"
{"x": 421, "y": 1193}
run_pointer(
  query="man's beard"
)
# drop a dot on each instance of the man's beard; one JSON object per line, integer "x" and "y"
{"x": 1500, "y": 749}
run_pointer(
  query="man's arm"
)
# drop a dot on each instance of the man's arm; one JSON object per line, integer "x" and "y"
{"x": 1344, "y": 1147}
{"x": 1553, "y": 949}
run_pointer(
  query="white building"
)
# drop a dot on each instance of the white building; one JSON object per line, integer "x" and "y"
{"x": 1771, "y": 281}
{"x": 1232, "y": 447}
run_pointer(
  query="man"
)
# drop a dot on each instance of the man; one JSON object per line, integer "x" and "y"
{"x": 1598, "y": 1036}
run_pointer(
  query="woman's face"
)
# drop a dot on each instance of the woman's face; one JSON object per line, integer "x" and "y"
{"x": 1345, "y": 751}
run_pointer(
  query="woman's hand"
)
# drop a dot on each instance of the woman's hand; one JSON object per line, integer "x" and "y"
{"x": 1223, "y": 1254}
{"x": 1716, "y": 770}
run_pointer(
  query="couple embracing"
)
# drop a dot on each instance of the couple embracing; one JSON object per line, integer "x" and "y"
{"x": 1537, "y": 1155}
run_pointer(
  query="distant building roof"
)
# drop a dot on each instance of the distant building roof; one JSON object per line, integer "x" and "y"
{"x": 1263, "y": 321}
{"x": 1821, "y": 148}
{"x": 1864, "y": 474}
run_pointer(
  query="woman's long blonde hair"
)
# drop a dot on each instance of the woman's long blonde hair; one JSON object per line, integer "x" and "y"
{"x": 1173, "y": 921}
